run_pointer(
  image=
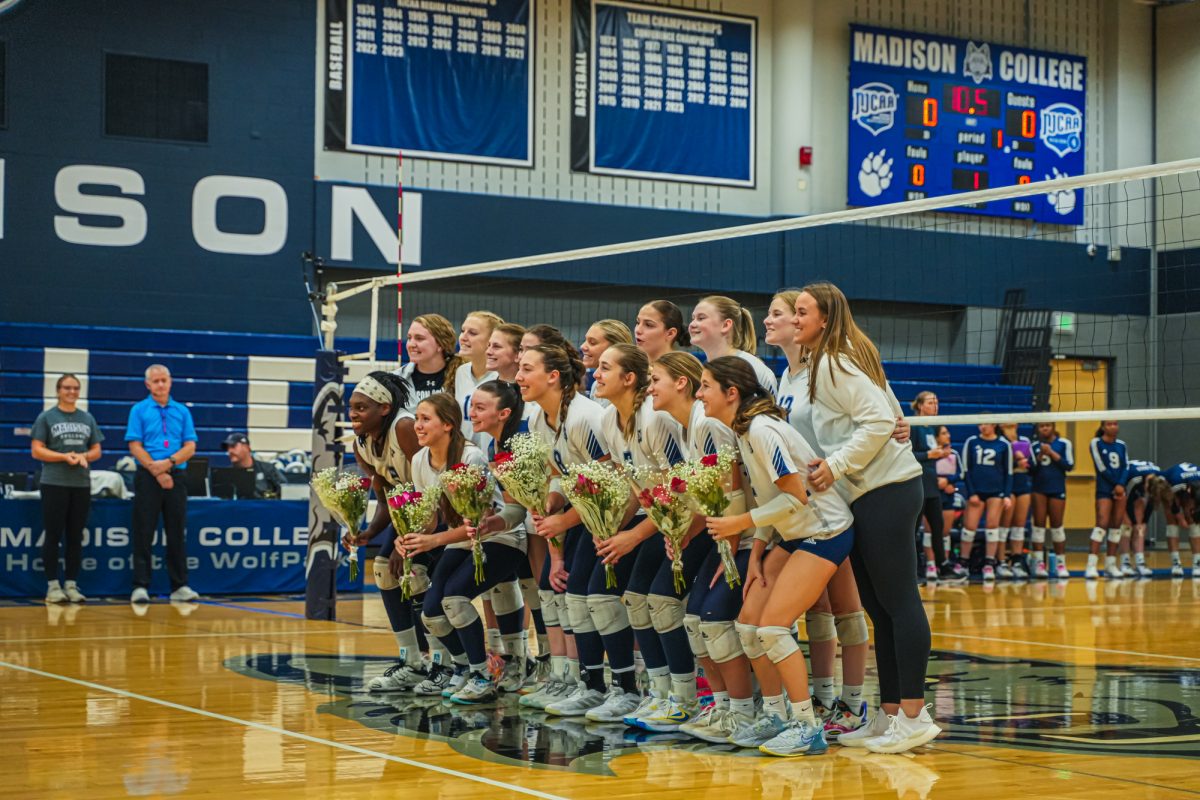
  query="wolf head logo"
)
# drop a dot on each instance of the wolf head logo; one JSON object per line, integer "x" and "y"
{"x": 977, "y": 64}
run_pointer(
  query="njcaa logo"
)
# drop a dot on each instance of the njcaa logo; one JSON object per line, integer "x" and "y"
{"x": 875, "y": 106}
{"x": 977, "y": 64}
{"x": 1062, "y": 128}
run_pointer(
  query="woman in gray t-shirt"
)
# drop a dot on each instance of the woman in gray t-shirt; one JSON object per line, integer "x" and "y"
{"x": 66, "y": 440}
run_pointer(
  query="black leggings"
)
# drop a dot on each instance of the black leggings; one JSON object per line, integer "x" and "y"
{"x": 885, "y": 567}
{"x": 64, "y": 515}
{"x": 932, "y": 511}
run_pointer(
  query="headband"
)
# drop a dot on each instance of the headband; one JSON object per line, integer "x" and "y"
{"x": 369, "y": 387}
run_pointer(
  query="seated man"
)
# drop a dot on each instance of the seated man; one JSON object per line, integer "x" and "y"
{"x": 267, "y": 480}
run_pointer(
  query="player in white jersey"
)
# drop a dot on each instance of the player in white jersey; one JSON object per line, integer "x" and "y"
{"x": 384, "y": 446}
{"x": 838, "y": 612}
{"x": 473, "y": 339}
{"x": 430, "y": 345}
{"x": 448, "y": 611}
{"x": 660, "y": 329}
{"x": 722, "y": 327}
{"x": 602, "y": 335}
{"x": 571, "y": 424}
{"x": 815, "y": 538}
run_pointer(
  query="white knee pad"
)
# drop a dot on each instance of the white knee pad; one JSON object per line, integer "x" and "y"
{"x": 722, "y": 640}
{"x": 852, "y": 628}
{"x": 608, "y": 613}
{"x": 530, "y": 593}
{"x": 1038, "y": 536}
{"x": 1126, "y": 531}
{"x": 1016, "y": 534}
{"x": 564, "y": 616}
{"x": 1058, "y": 534}
{"x": 1114, "y": 535}
{"x": 820, "y": 626}
{"x": 1194, "y": 531}
{"x": 460, "y": 611}
{"x": 577, "y": 610}
{"x": 1098, "y": 534}
{"x": 666, "y": 613}
{"x": 549, "y": 607}
{"x": 968, "y": 536}
{"x": 1172, "y": 531}
{"x": 777, "y": 642}
{"x": 384, "y": 579}
{"x": 439, "y": 626}
{"x": 506, "y": 598}
{"x": 748, "y": 635}
{"x": 993, "y": 535}
{"x": 927, "y": 539}
{"x": 638, "y": 607}
{"x": 691, "y": 624}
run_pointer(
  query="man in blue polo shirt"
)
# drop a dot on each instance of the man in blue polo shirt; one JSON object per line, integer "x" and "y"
{"x": 162, "y": 438}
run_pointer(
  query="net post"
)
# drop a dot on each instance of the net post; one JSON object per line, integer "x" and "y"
{"x": 399, "y": 260}
{"x": 323, "y": 557}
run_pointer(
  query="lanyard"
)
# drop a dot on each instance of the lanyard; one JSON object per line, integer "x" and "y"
{"x": 162, "y": 413}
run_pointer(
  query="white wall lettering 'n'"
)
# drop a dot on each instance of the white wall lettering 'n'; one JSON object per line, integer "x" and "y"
{"x": 354, "y": 202}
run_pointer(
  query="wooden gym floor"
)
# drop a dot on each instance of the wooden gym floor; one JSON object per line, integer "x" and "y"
{"x": 1045, "y": 690}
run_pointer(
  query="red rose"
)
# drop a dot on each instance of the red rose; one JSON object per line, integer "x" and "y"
{"x": 365, "y": 483}
{"x": 678, "y": 485}
{"x": 709, "y": 460}
{"x": 479, "y": 487}
{"x": 457, "y": 467}
{"x": 503, "y": 457}
{"x": 586, "y": 485}
{"x": 396, "y": 502}
{"x": 645, "y": 499}
{"x": 661, "y": 495}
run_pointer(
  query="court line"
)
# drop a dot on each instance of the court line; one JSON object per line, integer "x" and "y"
{"x": 285, "y": 732}
{"x": 214, "y": 634}
{"x": 1064, "y": 646}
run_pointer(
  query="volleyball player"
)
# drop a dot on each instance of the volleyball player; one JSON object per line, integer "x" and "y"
{"x": 660, "y": 328}
{"x": 949, "y": 475}
{"x": 1143, "y": 475}
{"x": 1184, "y": 480}
{"x": 1111, "y": 459}
{"x": 1053, "y": 458}
{"x": 430, "y": 347}
{"x": 987, "y": 470}
{"x": 473, "y": 340}
{"x": 720, "y": 326}
{"x": 602, "y": 335}
{"x": 504, "y": 351}
{"x": 1016, "y": 516}
{"x": 929, "y": 452}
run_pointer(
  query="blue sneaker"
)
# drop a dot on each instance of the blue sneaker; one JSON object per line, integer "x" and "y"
{"x": 797, "y": 738}
{"x": 763, "y": 729}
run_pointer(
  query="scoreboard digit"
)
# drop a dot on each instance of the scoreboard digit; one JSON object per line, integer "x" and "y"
{"x": 934, "y": 115}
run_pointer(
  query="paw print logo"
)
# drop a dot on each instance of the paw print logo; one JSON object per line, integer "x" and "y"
{"x": 1062, "y": 200}
{"x": 875, "y": 175}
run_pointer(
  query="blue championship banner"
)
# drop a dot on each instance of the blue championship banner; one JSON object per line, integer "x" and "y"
{"x": 663, "y": 93}
{"x": 233, "y": 547}
{"x": 933, "y": 115}
{"x": 443, "y": 80}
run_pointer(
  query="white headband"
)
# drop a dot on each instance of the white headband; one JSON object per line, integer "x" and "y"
{"x": 375, "y": 390}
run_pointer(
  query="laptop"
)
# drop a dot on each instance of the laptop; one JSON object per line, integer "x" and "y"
{"x": 233, "y": 483}
{"x": 196, "y": 476}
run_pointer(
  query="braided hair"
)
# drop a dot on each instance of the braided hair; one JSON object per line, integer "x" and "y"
{"x": 570, "y": 369}
{"x": 732, "y": 372}
{"x": 631, "y": 359}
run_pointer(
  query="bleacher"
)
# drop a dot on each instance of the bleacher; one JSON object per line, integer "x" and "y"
{"x": 262, "y": 384}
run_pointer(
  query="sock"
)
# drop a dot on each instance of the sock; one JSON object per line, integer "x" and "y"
{"x": 406, "y": 641}
{"x": 1175, "y": 561}
{"x": 543, "y": 643}
{"x": 776, "y": 705}
{"x": 660, "y": 682}
{"x": 744, "y": 706}
{"x": 558, "y": 666}
{"x": 639, "y": 663}
{"x": 593, "y": 678}
{"x": 1125, "y": 560}
{"x": 721, "y": 701}
{"x": 853, "y": 697}
{"x": 573, "y": 670}
{"x": 626, "y": 681}
{"x": 69, "y": 585}
{"x": 683, "y": 686}
{"x": 1093, "y": 560}
{"x": 515, "y": 644}
{"x": 54, "y": 584}
{"x": 1140, "y": 559}
{"x": 803, "y": 711}
{"x": 1039, "y": 556}
{"x": 482, "y": 669}
{"x": 1195, "y": 560}
{"x": 825, "y": 690}
{"x": 495, "y": 643}
{"x": 1110, "y": 561}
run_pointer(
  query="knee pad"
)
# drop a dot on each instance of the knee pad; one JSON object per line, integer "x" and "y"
{"x": 549, "y": 608}
{"x": 1016, "y": 534}
{"x": 560, "y": 607}
{"x": 530, "y": 593}
{"x": 384, "y": 579}
{"x": 1058, "y": 534}
{"x": 968, "y": 536}
{"x": 852, "y": 628}
{"x": 993, "y": 535}
{"x": 691, "y": 624}
{"x": 1038, "y": 536}
{"x": 1097, "y": 534}
{"x": 460, "y": 611}
{"x": 439, "y": 626}
{"x": 748, "y": 635}
{"x": 666, "y": 613}
{"x": 721, "y": 640}
{"x": 1114, "y": 535}
{"x": 1126, "y": 531}
{"x": 927, "y": 539}
{"x": 608, "y": 614}
{"x": 638, "y": 607}
{"x": 577, "y": 611}
{"x": 777, "y": 642}
{"x": 506, "y": 598}
{"x": 820, "y": 626}
{"x": 1172, "y": 531}
{"x": 1194, "y": 531}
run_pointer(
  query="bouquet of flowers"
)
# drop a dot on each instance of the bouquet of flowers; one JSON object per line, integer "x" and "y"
{"x": 524, "y": 472}
{"x": 668, "y": 504}
{"x": 707, "y": 483}
{"x": 411, "y": 512}
{"x": 470, "y": 488}
{"x": 601, "y": 496}
{"x": 344, "y": 495}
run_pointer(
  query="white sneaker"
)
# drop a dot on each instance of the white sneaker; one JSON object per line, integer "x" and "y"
{"x": 1111, "y": 570}
{"x": 536, "y": 698}
{"x": 1195, "y": 572}
{"x": 1128, "y": 571}
{"x": 1144, "y": 572}
{"x": 580, "y": 701}
{"x": 702, "y": 720}
{"x": 397, "y": 678}
{"x": 55, "y": 593}
{"x": 1004, "y": 572}
{"x": 1019, "y": 572}
{"x": 185, "y": 593}
{"x": 1091, "y": 573}
{"x": 1039, "y": 571}
{"x": 876, "y": 726}
{"x": 931, "y": 572}
{"x": 1061, "y": 572}
{"x": 457, "y": 679}
{"x": 760, "y": 731}
{"x": 1177, "y": 570}
{"x": 477, "y": 688}
{"x": 72, "y": 592}
{"x": 513, "y": 676}
{"x": 648, "y": 705}
{"x": 989, "y": 573}
{"x": 903, "y": 734}
{"x": 669, "y": 716}
{"x": 140, "y": 595}
{"x": 721, "y": 726}
{"x": 617, "y": 704}
{"x": 439, "y": 678}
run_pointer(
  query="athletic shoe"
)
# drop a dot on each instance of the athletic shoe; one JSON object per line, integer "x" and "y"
{"x": 762, "y": 730}
{"x": 1144, "y": 572}
{"x": 1039, "y": 571}
{"x": 397, "y": 678}
{"x": 1091, "y": 573}
{"x": 512, "y": 677}
{"x": 1195, "y": 573}
{"x": 536, "y": 697}
{"x": 721, "y": 726}
{"x": 952, "y": 567}
{"x": 439, "y": 678}
{"x": 616, "y": 706}
{"x": 701, "y": 720}
{"x": 843, "y": 720}
{"x": 931, "y": 572}
{"x": 1060, "y": 570}
{"x": 1002, "y": 571}
{"x": 476, "y": 688}
{"x": 1018, "y": 569}
{"x": 649, "y": 705}
{"x": 798, "y": 738}
{"x": 821, "y": 711}
{"x": 72, "y": 592}
{"x": 140, "y": 595}
{"x": 578, "y": 703}
{"x": 877, "y": 725}
{"x": 989, "y": 573}
{"x": 537, "y": 672}
{"x": 185, "y": 594}
{"x": 1113, "y": 571}
{"x": 1128, "y": 571}
{"x": 456, "y": 681}
{"x": 903, "y": 734}
{"x": 55, "y": 593}
{"x": 1177, "y": 570}
{"x": 559, "y": 692}
{"x": 669, "y": 716}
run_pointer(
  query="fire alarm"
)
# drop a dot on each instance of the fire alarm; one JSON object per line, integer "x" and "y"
{"x": 806, "y": 156}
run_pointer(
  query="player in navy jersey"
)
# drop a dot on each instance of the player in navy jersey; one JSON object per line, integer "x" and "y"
{"x": 1143, "y": 477}
{"x": 987, "y": 466}
{"x": 1015, "y": 518}
{"x": 1111, "y": 460}
{"x": 1184, "y": 482}
{"x": 1053, "y": 458}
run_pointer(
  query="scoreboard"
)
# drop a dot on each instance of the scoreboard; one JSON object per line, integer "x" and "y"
{"x": 934, "y": 115}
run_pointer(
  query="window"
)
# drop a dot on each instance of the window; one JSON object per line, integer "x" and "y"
{"x": 155, "y": 98}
